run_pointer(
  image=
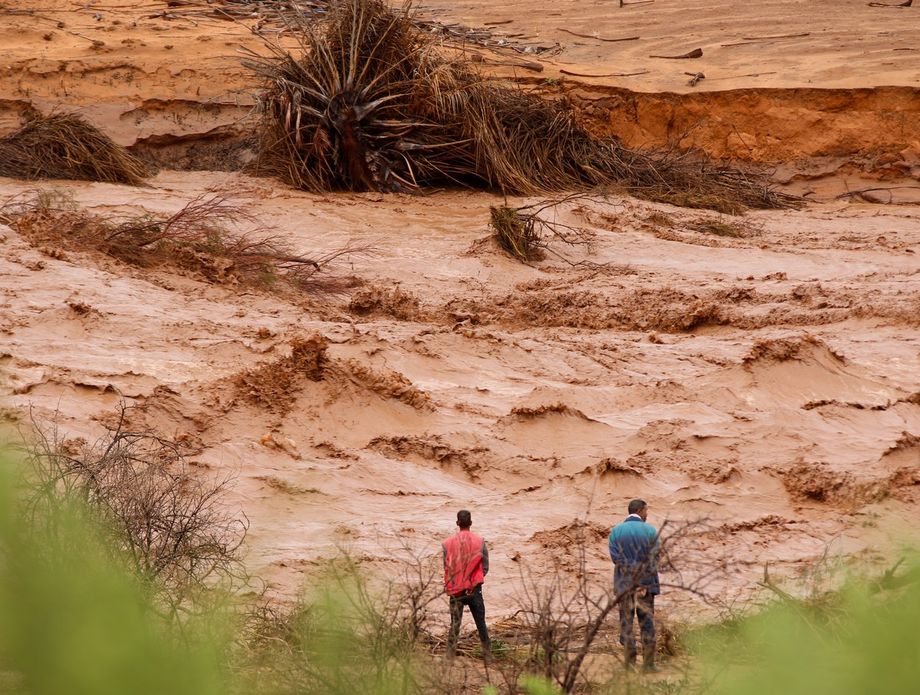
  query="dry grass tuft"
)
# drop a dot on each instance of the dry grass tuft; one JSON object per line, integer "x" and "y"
{"x": 64, "y": 146}
{"x": 526, "y": 412}
{"x": 370, "y": 103}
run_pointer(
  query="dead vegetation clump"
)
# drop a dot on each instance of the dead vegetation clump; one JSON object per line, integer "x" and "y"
{"x": 371, "y": 103}
{"x": 286, "y": 487}
{"x": 274, "y": 385}
{"x": 389, "y": 301}
{"x": 64, "y": 146}
{"x": 525, "y": 234}
{"x": 202, "y": 238}
{"x": 721, "y": 227}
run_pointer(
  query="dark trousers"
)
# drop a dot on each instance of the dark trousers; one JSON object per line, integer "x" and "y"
{"x": 478, "y": 609}
{"x": 641, "y": 605}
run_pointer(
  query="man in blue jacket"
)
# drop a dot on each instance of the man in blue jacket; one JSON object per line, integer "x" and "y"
{"x": 634, "y": 550}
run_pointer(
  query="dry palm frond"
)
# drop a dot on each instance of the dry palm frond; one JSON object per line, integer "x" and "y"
{"x": 371, "y": 104}
{"x": 64, "y": 146}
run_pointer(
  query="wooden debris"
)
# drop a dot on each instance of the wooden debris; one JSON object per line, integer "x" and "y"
{"x": 760, "y": 39}
{"x": 607, "y": 74}
{"x": 281, "y": 16}
{"x": 598, "y": 38}
{"x": 695, "y": 53}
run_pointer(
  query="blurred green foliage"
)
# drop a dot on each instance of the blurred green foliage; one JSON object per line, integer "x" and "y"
{"x": 75, "y": 621}
{"x": 863, "y": 639}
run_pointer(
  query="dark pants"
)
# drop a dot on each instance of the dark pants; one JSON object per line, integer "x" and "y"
{"x": 478, "y": 609}
{"x": 641, "y": 605}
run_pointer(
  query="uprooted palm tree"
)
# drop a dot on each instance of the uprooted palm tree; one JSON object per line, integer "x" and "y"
{"x": 370, "y": 103}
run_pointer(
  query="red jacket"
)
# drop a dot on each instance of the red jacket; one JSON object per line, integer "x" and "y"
{"x": 466, "y": 562}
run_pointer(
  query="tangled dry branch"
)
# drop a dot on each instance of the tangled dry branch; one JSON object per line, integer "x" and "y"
{"x": 200, "y": 237}
{"x": 169, "y": 524}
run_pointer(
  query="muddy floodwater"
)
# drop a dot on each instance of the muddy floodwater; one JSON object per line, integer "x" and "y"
{"x": 759, "y": 372}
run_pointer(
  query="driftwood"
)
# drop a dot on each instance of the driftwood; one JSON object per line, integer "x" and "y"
{"x": 598, "y": 38}
{"x": 606, "y": 74}
{"x": 695, "y": 53}
{"x": 748, "y": 40}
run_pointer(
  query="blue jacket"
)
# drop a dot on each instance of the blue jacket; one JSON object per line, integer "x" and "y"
{"x": 634, "y": 551}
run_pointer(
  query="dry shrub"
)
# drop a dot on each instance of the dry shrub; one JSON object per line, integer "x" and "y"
{"x": 352, "y": 633}
{"x": 525, "y": 233}
{"x": 274, "y": 385}
{"x": 372, "y": 104}
{"x": 659, "y": 219}
{"x": 392, "y": 301}
{"x": 201, "y": 238}
{"x": 564, "y": 611}
{"x": 64, "y": 146}
{"x": 286, "y": 487}
{"x": 168, "y": 523}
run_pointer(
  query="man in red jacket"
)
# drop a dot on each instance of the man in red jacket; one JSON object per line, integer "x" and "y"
{"x": 466, "y": 564}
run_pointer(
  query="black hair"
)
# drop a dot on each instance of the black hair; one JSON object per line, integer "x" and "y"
{"x": 637, "y": 506}
{"x": 464, "y": 519}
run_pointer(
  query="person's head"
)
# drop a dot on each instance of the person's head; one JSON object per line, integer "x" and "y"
{"x": 464, "y": 519}
{"x": 635, "y": 507}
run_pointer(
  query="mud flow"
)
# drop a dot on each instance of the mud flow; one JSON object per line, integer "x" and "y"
{"x": 759, "y": 372}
